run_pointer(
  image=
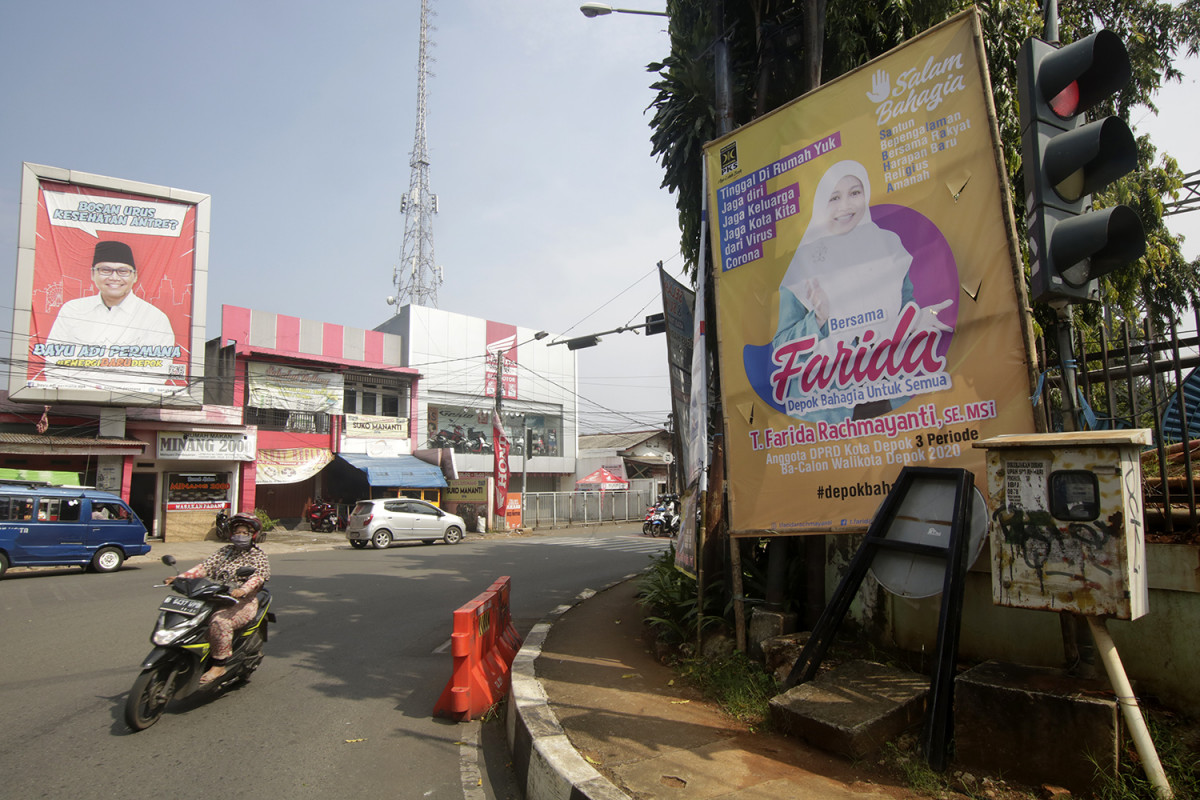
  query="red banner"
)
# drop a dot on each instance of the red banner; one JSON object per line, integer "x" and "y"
{"x": 501, "y": 503}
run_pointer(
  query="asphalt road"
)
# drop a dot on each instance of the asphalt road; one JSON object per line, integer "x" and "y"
{"x": 340, "y": 708}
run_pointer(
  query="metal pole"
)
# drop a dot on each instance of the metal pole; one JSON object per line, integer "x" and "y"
{"x": 1078, "y": 650}
{"x": 722, "y": 77}
{"x": 1066, "y": 359}
{"x": 1050, "y": 16}
{"x": 502, "y": 520}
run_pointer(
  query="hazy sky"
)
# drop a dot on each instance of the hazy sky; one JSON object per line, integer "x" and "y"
{"x": 298, "y": 119}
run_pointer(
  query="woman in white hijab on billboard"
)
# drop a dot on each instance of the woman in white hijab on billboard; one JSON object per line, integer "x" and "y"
{"x": 846, "y": 277}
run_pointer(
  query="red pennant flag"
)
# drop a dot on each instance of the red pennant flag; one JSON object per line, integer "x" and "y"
{"x": 501, "y": 465}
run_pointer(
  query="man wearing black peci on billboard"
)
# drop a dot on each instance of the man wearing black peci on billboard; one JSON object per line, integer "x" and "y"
{"x": 112, "y": 339}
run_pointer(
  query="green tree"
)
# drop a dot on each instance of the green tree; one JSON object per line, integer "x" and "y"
{"x": 766, "y": 61}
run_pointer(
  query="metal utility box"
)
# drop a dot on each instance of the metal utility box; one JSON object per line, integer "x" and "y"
{"x": 1066, "y": 530}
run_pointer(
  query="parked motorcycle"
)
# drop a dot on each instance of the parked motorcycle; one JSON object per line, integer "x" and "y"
{"x": 222, "y": 525}
{"x": 477, "y": 442}
{"x": 324, "y": 518}
{"x": 181, "y": 651}
{"x": 446, "y": 439}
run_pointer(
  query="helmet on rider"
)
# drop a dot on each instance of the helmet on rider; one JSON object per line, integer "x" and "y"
{"x": 242, "y": 524}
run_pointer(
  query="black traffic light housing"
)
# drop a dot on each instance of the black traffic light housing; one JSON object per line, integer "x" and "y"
{"x": 1065, "y": 159}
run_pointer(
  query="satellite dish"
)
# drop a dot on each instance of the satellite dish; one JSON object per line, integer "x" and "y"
{"x": 924, "y": 518}
{"x": 391, "y": 301}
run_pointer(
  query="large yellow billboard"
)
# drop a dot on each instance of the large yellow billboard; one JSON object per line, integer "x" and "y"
{"x": 869, "y": 297}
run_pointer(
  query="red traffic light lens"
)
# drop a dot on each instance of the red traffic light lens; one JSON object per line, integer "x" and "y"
{"x": 1066, "y": 102}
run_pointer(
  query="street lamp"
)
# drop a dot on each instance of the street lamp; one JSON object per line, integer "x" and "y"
{"x": 601, "y": 9}
{"x": 581, "y": 342}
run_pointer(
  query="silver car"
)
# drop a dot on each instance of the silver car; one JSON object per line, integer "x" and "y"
{"x": 385, "y": 520}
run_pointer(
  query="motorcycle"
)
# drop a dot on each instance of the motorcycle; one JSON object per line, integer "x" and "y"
{"x": 324, "y": 518}
{"x": 651, "y": 512}
{"x": 181, "y": 650}
{"x": 477, "y": 442}
{"x": 664, "y": 520}
{"x": 447, "y": 439}
{"x": 222, "y": 525}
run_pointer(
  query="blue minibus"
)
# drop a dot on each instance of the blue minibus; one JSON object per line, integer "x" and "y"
{"x": 53, "y": 526}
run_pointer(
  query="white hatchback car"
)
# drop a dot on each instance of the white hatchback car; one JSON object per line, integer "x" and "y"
{"x": 382, "y": 521}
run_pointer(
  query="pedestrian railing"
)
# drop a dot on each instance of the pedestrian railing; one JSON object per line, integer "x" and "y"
{"x": 559, "y": 509}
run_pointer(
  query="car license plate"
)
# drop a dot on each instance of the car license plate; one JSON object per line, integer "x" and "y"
{"x": 182, "y": 605}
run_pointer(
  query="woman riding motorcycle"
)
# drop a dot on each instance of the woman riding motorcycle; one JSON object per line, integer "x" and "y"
{"x": 242, "y": 551}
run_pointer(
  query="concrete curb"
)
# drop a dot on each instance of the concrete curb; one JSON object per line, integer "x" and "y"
{"x": 548, "y": 766}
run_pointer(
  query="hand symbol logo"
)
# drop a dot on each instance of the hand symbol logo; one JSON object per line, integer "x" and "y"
{"x": 881, "y": 86}
{"x": 927, "y": 318}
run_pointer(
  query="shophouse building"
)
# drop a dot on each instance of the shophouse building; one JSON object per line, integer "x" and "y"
{"x": 461, "y": 359}
{"x": 342, "y": 414}
{"x": 328, "y": 402}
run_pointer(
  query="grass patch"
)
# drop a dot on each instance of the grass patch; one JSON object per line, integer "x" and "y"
{"x": 1177, "y": 741}
{"x": 914, "y": 769}
{"x": 738, "y": 685}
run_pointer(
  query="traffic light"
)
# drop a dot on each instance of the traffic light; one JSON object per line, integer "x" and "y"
{"x": 1066, "y": 158}
{"x": 656, "y": 323}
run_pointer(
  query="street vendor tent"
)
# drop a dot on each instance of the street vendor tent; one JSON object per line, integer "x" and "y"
{"x": 603, "y": 480}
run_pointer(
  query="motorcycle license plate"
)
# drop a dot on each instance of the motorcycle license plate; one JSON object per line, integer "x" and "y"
{"x": 182, "y": 605}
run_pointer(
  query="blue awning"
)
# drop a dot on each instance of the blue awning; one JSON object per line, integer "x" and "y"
{"x": 408, "y": 472}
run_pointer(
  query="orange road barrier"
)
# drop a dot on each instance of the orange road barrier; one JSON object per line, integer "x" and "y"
{"x": 507, "y": 639}
{"x": 483, "y": 645}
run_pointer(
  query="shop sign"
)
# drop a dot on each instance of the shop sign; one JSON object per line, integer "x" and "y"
{"x": 201, "y": 505}
{"x": 512, "y": 512}
{"x": 361, "y": 426}
{"x": 290, "y": 465}
{"x": 290, "y": 389}
{"x": 466, "y": 490}
{"x": 189, "y": 491}
{"x": 501, "y": 339}
{"x": 206, "y": 446}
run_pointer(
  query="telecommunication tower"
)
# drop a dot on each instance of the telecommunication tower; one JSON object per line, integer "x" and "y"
{"x": 416, "y": 276}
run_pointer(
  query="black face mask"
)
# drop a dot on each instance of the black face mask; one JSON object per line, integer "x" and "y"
{"x": 241, "y": 541}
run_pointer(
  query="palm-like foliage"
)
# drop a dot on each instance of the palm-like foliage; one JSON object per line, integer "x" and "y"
{"x": 766, "y": 60}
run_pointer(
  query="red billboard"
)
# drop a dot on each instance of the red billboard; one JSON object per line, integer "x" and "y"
{"x": 501, "y": 342}
{"x": 112, "y": 270}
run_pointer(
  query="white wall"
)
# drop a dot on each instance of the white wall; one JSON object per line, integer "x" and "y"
{"x": 450, "y": 350}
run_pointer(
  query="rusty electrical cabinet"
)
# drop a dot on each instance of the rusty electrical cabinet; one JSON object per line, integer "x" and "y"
{"x": 1066, "y": 530}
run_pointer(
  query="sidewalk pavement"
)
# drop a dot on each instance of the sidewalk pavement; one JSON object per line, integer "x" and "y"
{"x": 592, "y": 714}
